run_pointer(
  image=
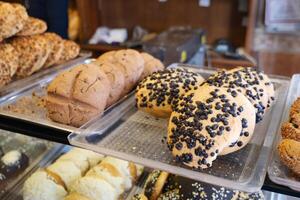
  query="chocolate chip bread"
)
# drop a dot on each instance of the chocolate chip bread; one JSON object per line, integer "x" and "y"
{"x": 253, "y": 84}
{"x": 33, "y": 26}
{"x": 159, "y": 93}
{"x": 77, "y": 95}
{"x": 205, "y": 122}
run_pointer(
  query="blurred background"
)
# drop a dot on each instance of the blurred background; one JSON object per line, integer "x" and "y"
{"x": 217, "y": 33}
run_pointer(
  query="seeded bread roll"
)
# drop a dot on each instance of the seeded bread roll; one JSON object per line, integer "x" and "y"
{"x": 151, "y": 65}
{"x": 154, "y": 184}
{"x": 295, "y": 108}
{"x": 94, "y": 188}
{"x": 204, "y": 123}
{"x": 111, "y": 174}
{"x": 160, "y": 93}
{"x": 250, "y": 83}
{"x": 116, "y": 78}
{"x": 43, "y": 185}
{"x": 129, "y": 62}
{"x": 13, "y": 18}
{"x": 33, "y": 52}
{"x": 66, "y": 170}
{"x": 77, "y": 95}
{"x": 75, "y": 196}
{"x": 125, "y": 168}
{"x": 289, "y": 152}
{"x": 33, "y": 26}
{"x": 70, "y": 50}
{"x": 57, "y": 49}
{"x": 246, "y": 113}
{"x": 8, "y": 63}
{"x": 290, "y": 131}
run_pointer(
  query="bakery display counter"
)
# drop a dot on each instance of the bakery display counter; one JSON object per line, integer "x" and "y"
{"x": 139, "y": 137}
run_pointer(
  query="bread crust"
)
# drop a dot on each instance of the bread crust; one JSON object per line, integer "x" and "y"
{"x": 33, "y": 26}
{"x": 33, "y": 52}
{"x": 289, "y": 152}
{"x": 77, "y": 95}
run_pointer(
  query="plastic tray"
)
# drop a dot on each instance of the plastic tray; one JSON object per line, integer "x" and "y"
{"x": 35, "y": 149}
{"x": 27, "y": 105}
{"x": 16, "y": 192}
{"x": 136, "y": 136}
{"x": 278, "y": 172}
{"x": 18, "y": 84}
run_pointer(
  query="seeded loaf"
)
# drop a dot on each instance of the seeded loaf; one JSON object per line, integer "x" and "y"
{"x": 57, "y": 49}
{"x": 77, "y": 95}
{"x": 33, "y": 26}
{"x": 159, "y": 93}
{"x": 198, "y": 130}
{"x": 33, "y": 52}
{"x": 8, "y": 63}
{"x": 12, "y": 19}
{"x": 70, "y": 51}
{"x": 116, "y": 78}
{"x": 151, "y": 65}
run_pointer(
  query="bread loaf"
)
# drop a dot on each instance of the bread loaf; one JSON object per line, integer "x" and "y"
{"x": 116, "y": 78}
{"x": 76, "y": 96}
{"x": 33, "y": 26}
{"x": 33, "y": 52}
{"x": 12, "y": 19}
{"x": 151, "y": 65}
{"x": 57, "y": 44}
{"x": 8, "y": 63}
{"x": 129, "y": 62}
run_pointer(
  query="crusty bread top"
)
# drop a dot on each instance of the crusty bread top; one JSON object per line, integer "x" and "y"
{"x": 9, "y": 57}
{"x": 57, "y": 48}
{"x": 84, "y": 83}
{"x": 33, "y": 26}
{"x": 12, "y": 19}
{"x": 33, "y": 52}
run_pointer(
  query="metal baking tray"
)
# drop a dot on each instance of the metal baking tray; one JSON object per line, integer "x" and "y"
{"x": 26, "y": 82}
{"x": 16, "y": 192}
{"x": 35, "y": 149}
{"x": 27, "y": 105}
{"x": 139, "y": 137}
{"x": 278, "y": 172}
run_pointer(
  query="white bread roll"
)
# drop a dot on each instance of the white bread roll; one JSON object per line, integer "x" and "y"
{"x": 94, "y": 188}
{"x": 66, "y": 170}
{"x": 42, "y": 186}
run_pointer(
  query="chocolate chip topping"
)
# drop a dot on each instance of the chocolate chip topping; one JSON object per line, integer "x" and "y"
{"x": 189, "y": 125}
{"x": 248, "y": 81}
{"x": 167, "y": 87}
